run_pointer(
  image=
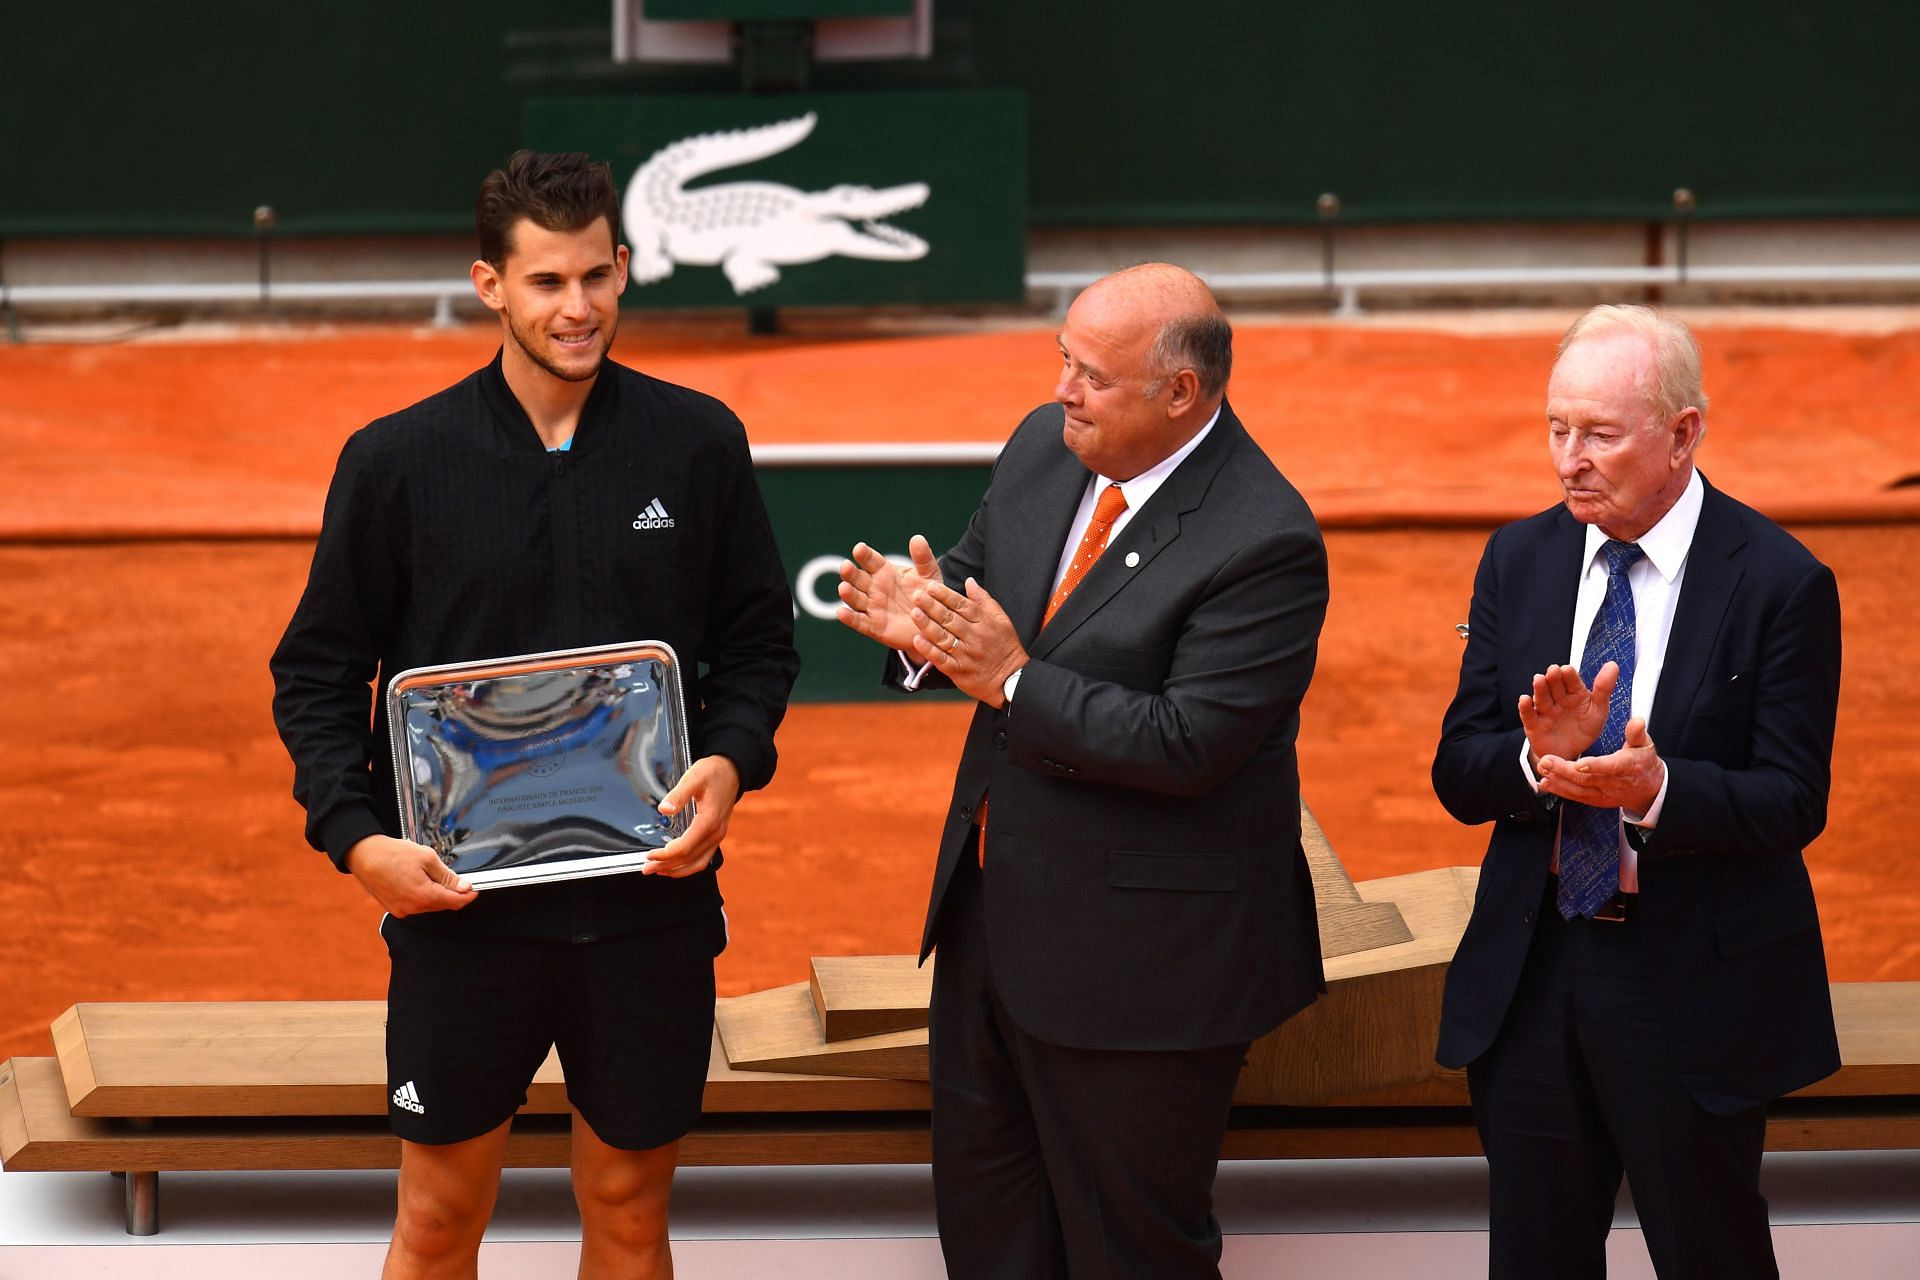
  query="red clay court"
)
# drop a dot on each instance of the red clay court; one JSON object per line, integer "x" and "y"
{"x": 160, "y": 496}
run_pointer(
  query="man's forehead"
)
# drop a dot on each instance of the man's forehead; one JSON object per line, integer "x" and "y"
{"x": 1604, "y": 367}
{"x": 533, "y": 249}
{"x": 1103, "y": 327}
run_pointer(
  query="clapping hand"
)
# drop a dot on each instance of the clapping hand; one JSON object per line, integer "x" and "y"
{"x": 876, "y": 595}
{"x": 968, "y": 638}
{"x": 1628, "y": 779}
{"x": 1562, "y": 716}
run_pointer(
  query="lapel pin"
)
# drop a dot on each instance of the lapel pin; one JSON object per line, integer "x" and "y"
{"x": 1133, "y": 559}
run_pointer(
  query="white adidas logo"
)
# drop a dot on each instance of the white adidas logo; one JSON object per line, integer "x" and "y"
{"x": 406, "y": 1096}
{"x": 654, "y": 517}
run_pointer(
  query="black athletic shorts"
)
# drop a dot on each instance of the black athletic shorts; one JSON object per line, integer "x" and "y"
{"x": 469, "y": 1022}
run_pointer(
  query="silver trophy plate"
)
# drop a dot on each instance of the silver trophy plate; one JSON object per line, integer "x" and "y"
{"x": 548, "y": 766}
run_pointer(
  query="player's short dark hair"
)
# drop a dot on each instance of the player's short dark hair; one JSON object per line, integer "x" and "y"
{"x": 560, "y": 191}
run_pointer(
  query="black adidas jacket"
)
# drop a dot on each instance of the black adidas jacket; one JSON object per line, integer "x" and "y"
{"x": 452, "y": 535}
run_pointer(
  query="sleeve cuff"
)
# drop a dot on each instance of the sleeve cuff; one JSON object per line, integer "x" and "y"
{"x": 913, "y": 675}
{"x": 1547, "y": 799}
{"x": 1526, "y": 765}
{"x": 343, "y": 829}
{"x": 751, "y": 758}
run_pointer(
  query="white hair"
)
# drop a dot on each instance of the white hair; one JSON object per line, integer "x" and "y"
{"x": 1676, "y": 356}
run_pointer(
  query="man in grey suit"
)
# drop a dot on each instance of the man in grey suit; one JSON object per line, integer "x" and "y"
{"x": 1120, "y": 903}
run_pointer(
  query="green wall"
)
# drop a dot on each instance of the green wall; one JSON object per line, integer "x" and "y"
{"x": 1481, "y": 109}
{"x": 818, "y": 513}
{"x": 370, "y": 115}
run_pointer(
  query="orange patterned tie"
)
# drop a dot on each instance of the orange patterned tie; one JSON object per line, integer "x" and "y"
{"x": 1092, "y": 543}
{"x": 1112, "y": 502}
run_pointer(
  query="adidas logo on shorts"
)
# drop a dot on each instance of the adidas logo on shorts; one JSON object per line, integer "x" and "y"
{"x": 408, "y": 1098}
{"x": 654, "y": 517}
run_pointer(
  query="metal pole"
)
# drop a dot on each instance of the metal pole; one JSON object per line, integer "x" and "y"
{"x": 264, "y": 219}
{"x": 6, "y": 300}
{"x": 1328, "y": 206}
{"x": 1683, "y": 205}
{"x": 143, "y": 1203}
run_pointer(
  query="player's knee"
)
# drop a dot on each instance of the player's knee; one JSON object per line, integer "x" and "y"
{"x": 435, "y": 1226}
{"x": 628, "y": 1208}
{"x": 637, "y": 1225}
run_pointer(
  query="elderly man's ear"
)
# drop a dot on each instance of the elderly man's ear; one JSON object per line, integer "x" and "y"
{"x": 1689, "y": 428}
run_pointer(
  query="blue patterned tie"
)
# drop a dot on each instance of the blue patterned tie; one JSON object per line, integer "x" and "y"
{"x": 1590, "y": 837}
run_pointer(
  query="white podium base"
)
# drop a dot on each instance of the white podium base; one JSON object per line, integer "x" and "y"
{"x": 1852, "y": 1214}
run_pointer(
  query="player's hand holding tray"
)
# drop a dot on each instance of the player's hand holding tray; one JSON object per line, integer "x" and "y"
{"x": 547, "y": 766}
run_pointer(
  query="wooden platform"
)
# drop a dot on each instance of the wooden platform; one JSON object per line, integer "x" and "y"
{"x": 857, "y": 996}
{"x": 1349, "y": 921}
{"x": 834, "y": 1070}
{"x": 39, "y": 1133}
{"x": 780, "y": 1030}
{"x": 1386, "y": 945}
{"x": 328, "y": 1058}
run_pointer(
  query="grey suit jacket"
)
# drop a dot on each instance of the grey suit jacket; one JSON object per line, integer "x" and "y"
{"x": 1145, "y": 886}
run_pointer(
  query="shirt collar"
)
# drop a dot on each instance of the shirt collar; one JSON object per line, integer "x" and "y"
{"x": 1666, "y": 543}
{"x": 1143, "y": 486}
{"x": 518, "y": 428}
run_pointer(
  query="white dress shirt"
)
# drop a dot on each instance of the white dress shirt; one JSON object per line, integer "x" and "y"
{"x": 1655, "y": 581}
{"x": 1136, "y": 491}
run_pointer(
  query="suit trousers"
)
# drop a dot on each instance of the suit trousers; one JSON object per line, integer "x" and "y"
{"x": 1575, "y": 1090}
{"x": 1053, "y": 1162}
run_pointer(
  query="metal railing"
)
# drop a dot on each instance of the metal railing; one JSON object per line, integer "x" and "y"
{"x": 442, "y": 293}
{"x": 1347, "y": 286}
{"x": 1344, "y": 287}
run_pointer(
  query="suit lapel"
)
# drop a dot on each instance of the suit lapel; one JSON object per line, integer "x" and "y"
{"x": 1548, "y": 637}
{"x": 1713, "y": 571}
{"x": 1042, "y": 515}
{"x": 1148, "y": 533}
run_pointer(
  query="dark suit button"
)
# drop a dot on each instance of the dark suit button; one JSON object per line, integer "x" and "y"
{"x": 1000, "y": 741}
{"x": 1529, "y": 919}
{"x": 966, "y": 813}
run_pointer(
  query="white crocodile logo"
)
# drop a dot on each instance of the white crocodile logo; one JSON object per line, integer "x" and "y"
{"x": 746, "y": 228}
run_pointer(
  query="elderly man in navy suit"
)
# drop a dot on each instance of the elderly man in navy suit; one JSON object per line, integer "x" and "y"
{"x": 1645, "y": 713}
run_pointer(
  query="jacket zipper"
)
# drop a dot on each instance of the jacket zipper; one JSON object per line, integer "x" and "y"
{"x": 566, "y": 558}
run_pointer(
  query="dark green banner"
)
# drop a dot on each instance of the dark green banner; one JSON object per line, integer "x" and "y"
{"x": 809, "y": 199}
{"x": 384, "y": 117}
{"x": 747, "y": 10}
{"x": 818, "y": 513}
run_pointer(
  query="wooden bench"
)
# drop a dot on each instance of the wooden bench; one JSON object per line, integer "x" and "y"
{"x": 143, "y": 1089}
{"x": 834, "y": 1071}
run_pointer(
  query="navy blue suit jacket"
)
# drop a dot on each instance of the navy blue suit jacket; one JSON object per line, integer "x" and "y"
{"x": 1743, "y": 717}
